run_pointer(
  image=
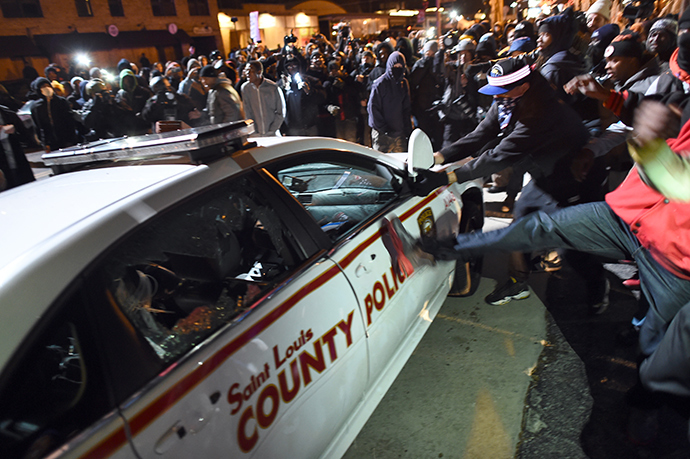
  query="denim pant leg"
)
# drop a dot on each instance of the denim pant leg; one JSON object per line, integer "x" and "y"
{"x": 533, "y": 199}
{"x": 666, "y": 294}
{"x": 595, "y": 229}
{"x": 590, "y": 227}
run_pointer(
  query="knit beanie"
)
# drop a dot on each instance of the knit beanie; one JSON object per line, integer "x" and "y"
{"x": 208, "y": 71}
{"x": 605, "y": 34}
{"x": 684, "y": 20}
{"x": 666, "y": 24}
{"x": 625, "y": 45}
{"x": 602, "y": 7}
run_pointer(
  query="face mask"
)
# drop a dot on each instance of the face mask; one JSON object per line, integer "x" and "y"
{"x": 398, "y": 73}
{"x": 47, "y": 91}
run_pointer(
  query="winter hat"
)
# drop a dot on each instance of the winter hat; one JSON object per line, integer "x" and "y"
{"x": 606, "y": 33}
{"x": 505, "y": 75}
{"x": 193, "y": 63}
{"x": 524, "y": 29}
{"x": 522, "y": 44}
{"x": 684, "y": 20}
{"x": 602, "y": 7}
{"x": 489, "y": 37}
{"x": 666, "y": 24}
{"x": 123, "y": 64}
{"x": 562, "y": 30}
{"x": 38, "y": 82}
{"x": 429, "y": 45}
{"x": 484, "y": 48}
{"x": 208, "y": 71}
{"x": 625, "y": 45}
{"x": 464, "y": 45}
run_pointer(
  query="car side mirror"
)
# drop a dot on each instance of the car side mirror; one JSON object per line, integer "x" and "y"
{"x": 420, "y": 152}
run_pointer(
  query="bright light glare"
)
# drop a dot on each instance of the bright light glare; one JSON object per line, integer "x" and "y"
{"x": 453, "y": 14}
{"x": 107, "y": 76}
{"x": 82, "y": 59}
{"x": 431, "y": 33}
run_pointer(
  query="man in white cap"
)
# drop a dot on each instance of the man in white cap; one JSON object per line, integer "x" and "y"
{"x": 598, "y": 15}
{"x": 530, "y": 129}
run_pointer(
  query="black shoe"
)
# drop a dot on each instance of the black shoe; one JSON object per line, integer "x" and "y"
{"x": 497, "y": 189}
{"x": 511, "y": 290}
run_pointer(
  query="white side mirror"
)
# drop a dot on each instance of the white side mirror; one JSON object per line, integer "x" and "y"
{"x": 420, "y": 152}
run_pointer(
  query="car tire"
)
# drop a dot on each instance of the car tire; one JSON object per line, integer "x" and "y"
{"x": 468, "y": 273}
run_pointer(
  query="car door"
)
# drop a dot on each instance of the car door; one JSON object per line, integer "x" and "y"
{"x": 256, "y": 342}
{"x": 349, "y": 196}
{"x": 54, "y": 393}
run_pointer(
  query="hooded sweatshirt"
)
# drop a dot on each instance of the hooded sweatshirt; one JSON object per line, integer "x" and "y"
{"x": 389, "y": 104}
{"x": 135, "y": 98}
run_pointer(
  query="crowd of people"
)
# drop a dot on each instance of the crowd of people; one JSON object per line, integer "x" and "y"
{"x": 555, "y": 97}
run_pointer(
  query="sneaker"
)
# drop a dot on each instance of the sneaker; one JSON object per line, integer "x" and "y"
{"x": 511, "y": 290}
{"x": 601, "y": 306}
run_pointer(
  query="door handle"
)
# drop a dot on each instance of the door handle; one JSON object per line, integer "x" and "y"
{"x": 170, "y": 438}
{"x": 361, "y": 270}
{"x": 178, "y": 431}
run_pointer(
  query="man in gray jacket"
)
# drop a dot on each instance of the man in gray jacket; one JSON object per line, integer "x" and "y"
{"x": 224, "y": 104}
{"x": 263, "y": 100}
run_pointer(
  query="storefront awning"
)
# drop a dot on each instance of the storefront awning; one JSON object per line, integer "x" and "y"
{"x": 18, "y": 46}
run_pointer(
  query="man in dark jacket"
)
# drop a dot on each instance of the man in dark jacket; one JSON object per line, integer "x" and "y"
{"x": 53, "y": 117}
{"x": 530, "y": 129}
{"x": 389, "y": 107}
{"x": 425, "y": 87}
{"x": 303, "y": 95}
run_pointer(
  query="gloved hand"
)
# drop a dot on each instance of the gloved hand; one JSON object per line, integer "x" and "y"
{"x": 427, "y": 181}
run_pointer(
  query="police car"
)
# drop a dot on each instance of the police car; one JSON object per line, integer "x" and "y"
{"x": 202, "y": 293}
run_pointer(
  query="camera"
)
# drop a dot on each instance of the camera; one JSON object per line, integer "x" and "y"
{"x": 451, "y": 38}
{"x": 288, "y": 39}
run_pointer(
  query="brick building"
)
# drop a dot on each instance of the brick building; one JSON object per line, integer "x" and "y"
{"x": 37, "y": 32}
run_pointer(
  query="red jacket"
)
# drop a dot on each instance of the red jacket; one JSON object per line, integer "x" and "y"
{"x": 661, "y": 225}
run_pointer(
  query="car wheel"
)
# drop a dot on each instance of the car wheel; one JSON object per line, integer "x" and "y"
{"x": 468, "y": 273}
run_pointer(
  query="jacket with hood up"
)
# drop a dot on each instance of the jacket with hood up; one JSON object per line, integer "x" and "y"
{"x": 389, "y": 104}
{"x": 137, "y": 97}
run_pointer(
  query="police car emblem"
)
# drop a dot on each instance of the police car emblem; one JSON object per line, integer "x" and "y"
{"x": 427, "y": 226}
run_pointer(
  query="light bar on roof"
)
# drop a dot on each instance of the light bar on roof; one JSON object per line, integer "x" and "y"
{"x": 197, "y": 144}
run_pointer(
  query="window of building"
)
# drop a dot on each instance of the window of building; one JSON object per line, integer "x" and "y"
{"x": 116, "y": 8}
{"x": 163, "y": 7}
{"x": 229, "y": 4}
{"x": 21, "y": 8}
{"x": 84, "y": 8}
{"x": 198, "y": 7}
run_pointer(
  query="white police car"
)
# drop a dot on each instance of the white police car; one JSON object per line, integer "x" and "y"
{"x": 213, "y": 298}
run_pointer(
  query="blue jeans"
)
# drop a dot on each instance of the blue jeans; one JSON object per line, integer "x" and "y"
{"x": 591, "y": 228}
